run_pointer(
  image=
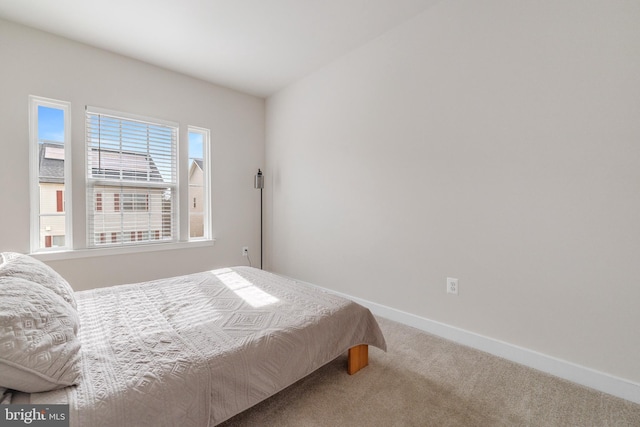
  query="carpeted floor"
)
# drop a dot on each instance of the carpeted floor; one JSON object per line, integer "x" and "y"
{"x": 424, "y": 380}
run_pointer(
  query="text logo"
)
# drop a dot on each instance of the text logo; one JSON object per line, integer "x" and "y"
{"x": 34, "y": 415}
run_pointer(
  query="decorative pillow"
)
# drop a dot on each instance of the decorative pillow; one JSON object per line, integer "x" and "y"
{"x": 25, "y": 267}
{"x": 39, "y": 348}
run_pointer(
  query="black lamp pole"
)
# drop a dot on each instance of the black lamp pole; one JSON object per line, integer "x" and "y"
{"x": 259, "y": 183}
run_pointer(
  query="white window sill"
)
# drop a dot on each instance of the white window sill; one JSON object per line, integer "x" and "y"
{"x": 97, "y": 252}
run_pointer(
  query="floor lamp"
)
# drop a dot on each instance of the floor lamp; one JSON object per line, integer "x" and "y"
{"x": 258, "y": 182}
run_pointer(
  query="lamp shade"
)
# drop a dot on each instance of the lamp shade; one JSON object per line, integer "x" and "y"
{"x": 258, "y": 180}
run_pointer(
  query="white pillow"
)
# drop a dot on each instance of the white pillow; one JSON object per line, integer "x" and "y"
{"x": 39, "y": 348}
{"x": 13, "y": 264}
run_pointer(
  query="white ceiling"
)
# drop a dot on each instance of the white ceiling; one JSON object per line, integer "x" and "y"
{"x": 256, "y": 46}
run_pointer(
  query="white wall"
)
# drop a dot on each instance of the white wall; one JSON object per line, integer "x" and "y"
{"x": 37, "y": 63}
{"x": 497, "y": 142}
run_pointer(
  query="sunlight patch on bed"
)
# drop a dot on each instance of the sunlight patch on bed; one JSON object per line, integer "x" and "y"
{"x": 246, "y": 290}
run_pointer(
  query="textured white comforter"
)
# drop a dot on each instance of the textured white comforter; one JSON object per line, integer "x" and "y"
{"x": 196, "y": 350}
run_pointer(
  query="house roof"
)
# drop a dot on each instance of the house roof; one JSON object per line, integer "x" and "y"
{"x": 195, "y": 164}
{"x": 103, "y": 163}
{"x": 132, "y": 166}
{"x": 51, "y": 162}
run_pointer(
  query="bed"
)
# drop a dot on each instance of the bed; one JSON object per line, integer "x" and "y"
{"x": 193, "y": 350}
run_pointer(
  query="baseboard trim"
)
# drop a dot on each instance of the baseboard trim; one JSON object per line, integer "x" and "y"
{"x": 578, "y": 374}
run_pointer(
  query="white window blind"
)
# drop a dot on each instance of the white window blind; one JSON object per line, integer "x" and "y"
{"x": 131, "y": 179}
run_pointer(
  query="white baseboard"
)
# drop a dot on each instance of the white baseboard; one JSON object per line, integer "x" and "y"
{"x": 588, "y": 377}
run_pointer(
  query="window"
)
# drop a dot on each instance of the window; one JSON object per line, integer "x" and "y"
{"x": 131, "y": 162}
{"x": 199, "y": 177}
{"x": 50, "y": 173}
{"x": 135, "y": 202}
{"x": 131, "y": 179}
{"x": 59, "y": 201}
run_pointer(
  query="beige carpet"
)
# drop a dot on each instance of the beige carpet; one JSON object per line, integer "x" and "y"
{"x": 424, "y": 380}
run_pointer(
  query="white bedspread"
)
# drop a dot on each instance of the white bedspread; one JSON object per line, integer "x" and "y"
{"x": 196, "y": 350}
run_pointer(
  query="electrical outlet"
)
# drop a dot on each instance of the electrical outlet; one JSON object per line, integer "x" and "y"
{"x": 245, "y": 251}
{"x": 452, "y": 285}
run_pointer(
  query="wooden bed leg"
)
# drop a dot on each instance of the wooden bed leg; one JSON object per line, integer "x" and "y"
{"x": 358, "y": 358}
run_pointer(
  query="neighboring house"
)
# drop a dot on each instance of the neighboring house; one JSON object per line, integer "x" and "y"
{"x": 196, "y": 199}
{"x": 52, "y": 201}
{"x": 122, "y": 214}
{"x": 128, "y": 212}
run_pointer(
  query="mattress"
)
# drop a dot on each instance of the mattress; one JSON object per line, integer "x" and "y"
{"x": 197, "y": 349}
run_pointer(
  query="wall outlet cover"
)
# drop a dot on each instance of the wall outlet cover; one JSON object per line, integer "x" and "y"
{"x": 452, "y": 285}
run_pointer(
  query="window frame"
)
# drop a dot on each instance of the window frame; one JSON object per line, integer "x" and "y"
{"x": 78, "y": 249}
{"x": 91, "y": 183}
{"x": 206, "y": 187}
{"x": 34, "y": 173}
